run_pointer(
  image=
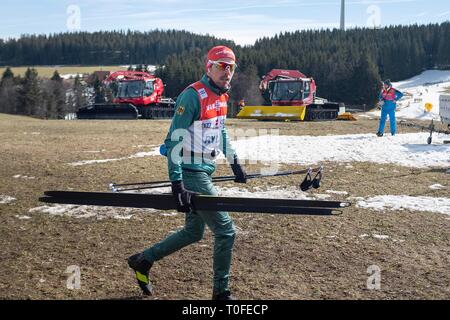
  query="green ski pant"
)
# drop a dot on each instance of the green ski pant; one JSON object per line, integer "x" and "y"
{"x": 220, "y": 224}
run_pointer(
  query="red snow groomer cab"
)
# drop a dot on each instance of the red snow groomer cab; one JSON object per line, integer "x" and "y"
{"x": 136, "y": 95}
{"x": 287, "y": 88}
{"x": 290, "y": 95}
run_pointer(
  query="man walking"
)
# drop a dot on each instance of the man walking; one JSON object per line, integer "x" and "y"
{"x": 199, "y": 122}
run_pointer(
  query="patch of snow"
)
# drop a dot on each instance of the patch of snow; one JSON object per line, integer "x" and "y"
{"x": 322, "y": 196}
{"x": 22, "y": 217}
{"x": 380, "y": 236}
{"x": 155, "y": 190}
{"x": 426, "y": 78}
{"x": 83, "y": 162}
{"x": 402, "y": 202}
{"x": 276, "y": 192}
{"x": 406, "y": 149}
{"x": 170, "y": 214}
{"x": 419, "y": 90}
{"x": 336, "y": 192}
{"x": 154, "y": 152}
{"x": 4, "y": 199}
{"x": 17, "y": 176}
{"x": 355, "y": 198}
{"x": 145, "y": 146}
{"x": 126, "y": 217}
{"x": 97, "y": 212}
{"x": 240, "y": 231}
{"x": 437, "y": 186}
{"x": 376, "y": 236}
{"x": 68, "y": 76}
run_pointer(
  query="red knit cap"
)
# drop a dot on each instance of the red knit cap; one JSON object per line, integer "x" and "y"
{"x": 219, "y": 53}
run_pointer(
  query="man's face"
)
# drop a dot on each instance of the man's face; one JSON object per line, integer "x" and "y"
{"x": 222, "y": 72}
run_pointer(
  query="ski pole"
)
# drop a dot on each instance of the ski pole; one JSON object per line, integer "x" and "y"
{"x": 161, "y": 184}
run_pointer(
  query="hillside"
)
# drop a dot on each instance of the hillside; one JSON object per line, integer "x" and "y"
{"x": 346, "y": 65}
{"x": 420, "y": 90}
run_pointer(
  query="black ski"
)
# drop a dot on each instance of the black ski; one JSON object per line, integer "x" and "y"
{"x": 200, "y": 202}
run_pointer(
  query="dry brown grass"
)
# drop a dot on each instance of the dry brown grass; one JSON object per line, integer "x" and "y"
{"x": 287, "y": 257}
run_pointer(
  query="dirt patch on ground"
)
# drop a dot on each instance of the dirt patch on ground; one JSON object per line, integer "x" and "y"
{"x": 275, "y": 257}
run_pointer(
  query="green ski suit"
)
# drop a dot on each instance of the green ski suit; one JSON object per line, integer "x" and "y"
{"x": 196, "y": 171}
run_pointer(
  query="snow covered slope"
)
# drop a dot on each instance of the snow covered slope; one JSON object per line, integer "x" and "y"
{"x": 419, "y": 90}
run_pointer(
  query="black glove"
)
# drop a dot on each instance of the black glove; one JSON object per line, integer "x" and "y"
{"x": 183, "y": 197}
{"x": 241, "y": 176}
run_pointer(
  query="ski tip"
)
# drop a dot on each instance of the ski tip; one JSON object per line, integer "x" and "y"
{"x": 58, "y": 193}
{"x": 45, "y": 199}
{"x": 49, "y": 193}
{"x": 345, "y": 204}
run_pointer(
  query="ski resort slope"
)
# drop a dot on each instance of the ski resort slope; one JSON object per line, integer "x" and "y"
{"x": 420, "y": 90}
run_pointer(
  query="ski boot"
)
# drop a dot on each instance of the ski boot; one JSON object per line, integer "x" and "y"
{"x": 141, "y": 269}
{"x": 226, "y": 295}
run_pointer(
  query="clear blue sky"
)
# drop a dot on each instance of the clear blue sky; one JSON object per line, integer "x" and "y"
{"x": 243, "y": 21}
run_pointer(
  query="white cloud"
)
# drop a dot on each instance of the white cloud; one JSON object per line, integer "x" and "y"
{"x": 443, "y": 14}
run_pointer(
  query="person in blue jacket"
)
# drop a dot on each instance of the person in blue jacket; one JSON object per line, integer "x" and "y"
{"x": 388, "y": 98}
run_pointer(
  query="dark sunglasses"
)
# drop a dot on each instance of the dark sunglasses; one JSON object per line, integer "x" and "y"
{"x": 222, "y": 66}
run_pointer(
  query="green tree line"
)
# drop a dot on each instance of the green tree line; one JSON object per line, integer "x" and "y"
{"x": 346, "y": 65}
{"x": 100, "y": 48}
{"x": 42, "y": 98}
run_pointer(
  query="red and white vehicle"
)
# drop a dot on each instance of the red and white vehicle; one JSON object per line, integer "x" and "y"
{"x": 136, "y": 94}
{"x": 287, "y": 88}
{"x": 290, "y": 95}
